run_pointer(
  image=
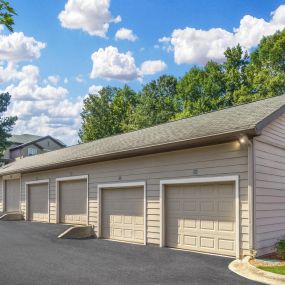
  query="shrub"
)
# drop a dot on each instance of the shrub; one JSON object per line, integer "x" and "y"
{"x": 280, "y": 248}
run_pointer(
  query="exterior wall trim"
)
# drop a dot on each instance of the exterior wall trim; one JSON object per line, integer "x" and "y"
{"x": 70, "y": 178}
{"x": 44, "y": 181}
{"x": 100, "y": 187}
{"x": 234, "y": 178}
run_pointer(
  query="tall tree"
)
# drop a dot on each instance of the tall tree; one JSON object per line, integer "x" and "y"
{"x": 107, "y": 113}
{"x": 241, "y": 78}
{"x": 201, "y": 90}
{"x": 156, "y": 103}
{"x": 6, "y": 123}
{"x": 266, "y": 70}
{"x": 7, "y": 14}
{"x": 236, "y": 80}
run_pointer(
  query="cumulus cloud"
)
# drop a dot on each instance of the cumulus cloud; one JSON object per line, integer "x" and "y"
{"x": 109, "y": 63}
{"x": 54, "y": 79}
{"x": 195, "y": 46}
{"x": 150, "y": 67}
{"x": 18, "y": 47}
{"x": 41, "y": 108}
{"x": 91, "y": 16}
{"x": 94, "y": 89}
{"x": 126, "y": 34}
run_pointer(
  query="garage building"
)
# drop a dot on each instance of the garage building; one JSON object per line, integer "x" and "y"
{"x": 212, "y": 183}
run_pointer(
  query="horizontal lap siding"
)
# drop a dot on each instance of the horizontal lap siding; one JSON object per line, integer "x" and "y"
{"x": 218, "y": 160}
{"x": 1, "y": 193}
{"x": 270, "y": 186}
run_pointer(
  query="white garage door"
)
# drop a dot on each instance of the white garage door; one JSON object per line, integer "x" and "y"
{"x": 201, "y": 217}
{"x": 38, "y": 202}
{"x": 123, "y": 214}
{"x": 12, "y": 195}
{"x": 73, "y": 202}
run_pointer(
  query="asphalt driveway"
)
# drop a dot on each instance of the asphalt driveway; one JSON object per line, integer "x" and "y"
{"x": 30, "y": 253}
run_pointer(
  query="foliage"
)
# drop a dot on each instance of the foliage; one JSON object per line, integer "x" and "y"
{"x": 242, "y": 78}
{"x": 155, "y": 103}
{"x": 6, "y": 15}
{"x": 280, "y": 248}
{"x": 6, "y": 123}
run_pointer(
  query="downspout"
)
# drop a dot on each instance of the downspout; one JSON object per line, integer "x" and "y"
{"x": 251, "y": 200}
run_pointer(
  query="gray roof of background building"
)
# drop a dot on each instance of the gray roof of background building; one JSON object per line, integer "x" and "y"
{"x": 23, "y": 139}
{"x": 231, "y": 122}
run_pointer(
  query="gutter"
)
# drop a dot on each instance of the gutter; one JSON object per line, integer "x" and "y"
{"x": 251, "y": 196}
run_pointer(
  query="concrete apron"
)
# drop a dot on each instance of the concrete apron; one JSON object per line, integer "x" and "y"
{"x": 245, "y": 269}
{"x": 11, "y": 217}
{"x": 77, "y": 232}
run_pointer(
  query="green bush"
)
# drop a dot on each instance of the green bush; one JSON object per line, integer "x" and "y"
{"x": 280, "y": 248}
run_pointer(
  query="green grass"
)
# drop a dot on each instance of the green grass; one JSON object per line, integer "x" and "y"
{"x": 273, "y": 269}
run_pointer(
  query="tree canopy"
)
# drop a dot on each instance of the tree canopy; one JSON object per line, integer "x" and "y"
{"x": 243, "y": 77}
{"x": 7, "y": 14}
{"x": 6, "y": 123}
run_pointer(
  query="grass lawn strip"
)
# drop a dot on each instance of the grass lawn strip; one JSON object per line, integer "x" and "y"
{"x": 273, "y": 269}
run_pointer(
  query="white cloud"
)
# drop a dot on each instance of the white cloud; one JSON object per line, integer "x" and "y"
{"x": 150, "y": 67}
{"x": 18, "y": 47}
{"x": 91, "y": 16}
{"x": 94, "y": 89}
{"x": 195, "y": 46}
{"x": 65, "y": 81}
{"x": 126, "y": 34}
{"x": 41, "y": 109}
{"x": 109, "y": 63}
{"x": 79, "y": 78}
{"x": 54, "y": 79}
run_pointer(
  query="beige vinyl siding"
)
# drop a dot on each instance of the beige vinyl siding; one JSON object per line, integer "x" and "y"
{"x": 217, "y": 160}
{"x": 270, "y": 186}
{"x": 1, "y": 195}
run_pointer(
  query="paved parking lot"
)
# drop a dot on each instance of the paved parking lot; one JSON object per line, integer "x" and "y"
{"x": 30, "y": 253}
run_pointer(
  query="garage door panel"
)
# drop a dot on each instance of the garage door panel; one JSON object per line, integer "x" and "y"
{"x": 73, "y": 202}
{"x": 205, "y": 224}
{"x": 12, "y": 195}
{"x": 123, "y": 214}
{"x": 38, "y": 202}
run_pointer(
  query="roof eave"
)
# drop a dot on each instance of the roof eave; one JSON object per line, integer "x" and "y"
{"x": 267, "y": 120}
{"x": 199, "y": 142}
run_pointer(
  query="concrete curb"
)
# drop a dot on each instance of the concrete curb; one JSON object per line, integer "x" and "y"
{"x": 245, "y": 269}
{"x": 77, "y": 232}
{"x": 12, "y": 217}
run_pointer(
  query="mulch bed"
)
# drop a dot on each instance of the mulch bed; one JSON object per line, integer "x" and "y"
{"x": 268, "y": 260}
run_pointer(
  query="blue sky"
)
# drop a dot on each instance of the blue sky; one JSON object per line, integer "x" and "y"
{"x": 47, "y": 67}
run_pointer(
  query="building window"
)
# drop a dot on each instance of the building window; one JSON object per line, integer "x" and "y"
{"x": 32, "y": 151}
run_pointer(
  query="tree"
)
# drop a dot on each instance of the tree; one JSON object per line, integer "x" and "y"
{"x": 236, "y": 79}
{"x": 155, "y": 103}
{"x": 240, "y": 79}
{"x": 266, "y": 70}
{"x": 107, "y": 114}
{"x": 6, "y": 15}
{"x": 6, "y": 123}
{"x": 200, "y": 90}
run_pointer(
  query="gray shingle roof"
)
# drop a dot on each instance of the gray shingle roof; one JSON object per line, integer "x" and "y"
{"x": 24, "y": 138}
{"x": 243, "y": 118}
